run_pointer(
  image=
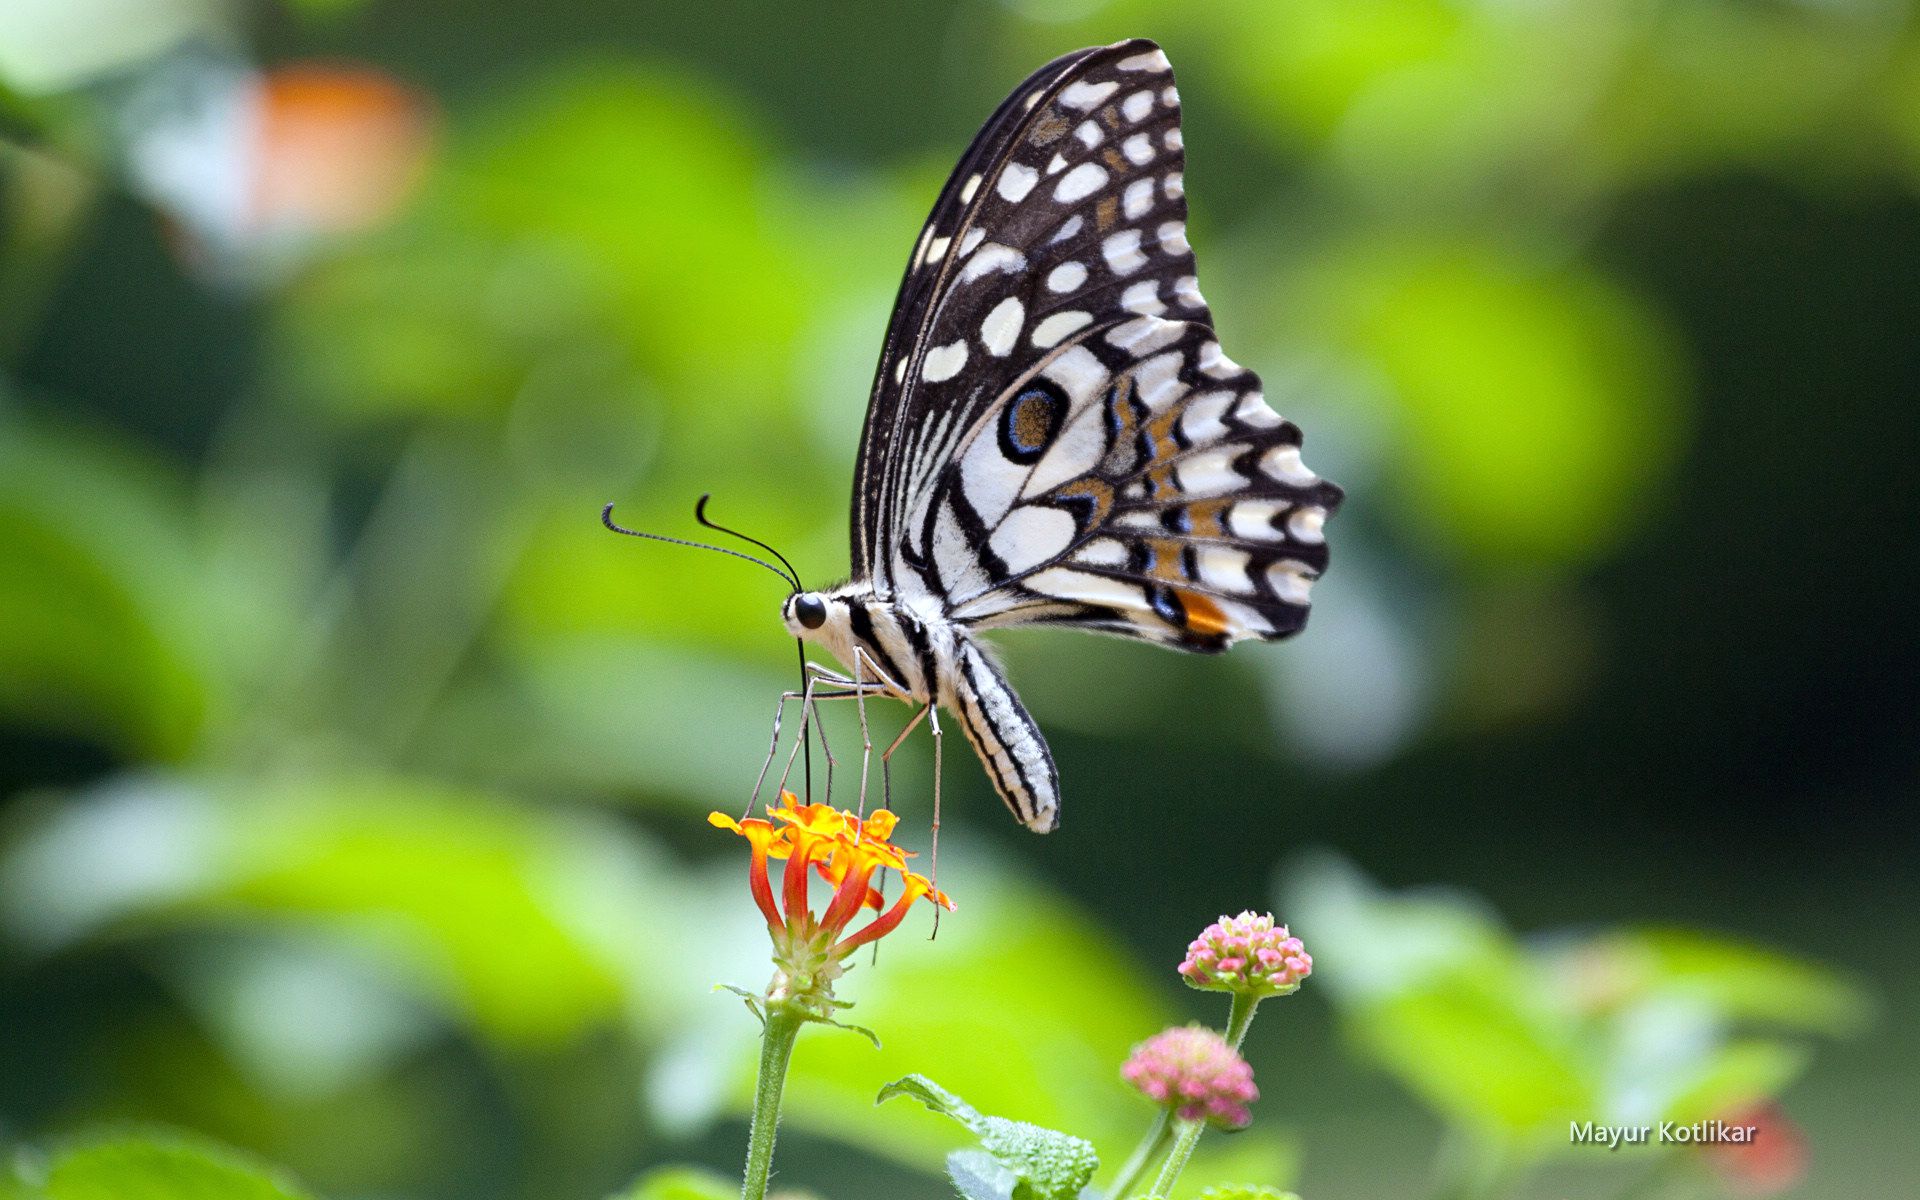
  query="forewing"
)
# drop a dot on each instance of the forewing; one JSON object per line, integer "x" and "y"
{"x": 1134, "y": 482}
{"x": 1067, "y": 214}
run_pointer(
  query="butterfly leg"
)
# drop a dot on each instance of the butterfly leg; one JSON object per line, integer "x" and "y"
{"x": 851, "y": 690}
{"x": 866, "y": 738}
{"x": 933, "y": 858}
{"x": 815, "y": 675}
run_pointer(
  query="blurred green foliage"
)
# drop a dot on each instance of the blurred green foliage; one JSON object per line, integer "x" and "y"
{"x": 350, "y": 773}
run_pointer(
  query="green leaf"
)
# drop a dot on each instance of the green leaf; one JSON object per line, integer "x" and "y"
{"x": 679, "y": 1183}
{"x": 1246, "y": 1191}
{"x": 161, "y": 1166}
{"x": 935, "y": 1097}
{"x": 1049, "y": 1165}
{"x": 979, "y": 1176}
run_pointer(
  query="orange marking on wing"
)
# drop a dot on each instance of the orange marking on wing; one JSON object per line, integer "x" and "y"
{"x": 1090, "y": 489}
{"x": 1164, "y": 560}
{"x": 1204, "y": 617}
{"x": 1204, "y": 517}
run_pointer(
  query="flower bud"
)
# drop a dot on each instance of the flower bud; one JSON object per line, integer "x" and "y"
{"x": 1191, "y": 1070}
{"x": 1247, "y": 954}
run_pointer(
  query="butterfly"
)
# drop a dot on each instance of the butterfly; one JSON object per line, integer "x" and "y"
{"x": 1054, "y": 435}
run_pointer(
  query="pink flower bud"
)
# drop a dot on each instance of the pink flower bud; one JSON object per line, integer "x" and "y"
{"x": 1248, "y": 954}
{"x": 1191, "y": 1069}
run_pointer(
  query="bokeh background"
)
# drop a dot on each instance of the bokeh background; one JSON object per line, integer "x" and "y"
{"x": 352, "y": 779}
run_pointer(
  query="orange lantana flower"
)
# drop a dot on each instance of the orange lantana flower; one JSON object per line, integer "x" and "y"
{"x": 846, "y": 852}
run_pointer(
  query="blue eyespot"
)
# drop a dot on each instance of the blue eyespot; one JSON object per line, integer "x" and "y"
{"x": 1031, "y": 421}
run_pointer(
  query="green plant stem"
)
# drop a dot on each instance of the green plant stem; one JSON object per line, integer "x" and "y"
{"x": 1239, "y": 1017}
{"x": 1143, "y": 1156}
{"x": 776, "y": 1051}
{"x": 1184, "y": 1142}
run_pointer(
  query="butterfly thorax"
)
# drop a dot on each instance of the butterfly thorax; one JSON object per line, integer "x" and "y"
{"x": 905, "y": 647}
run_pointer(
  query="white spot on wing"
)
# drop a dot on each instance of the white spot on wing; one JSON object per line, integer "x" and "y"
{"x": 1066, "y": 277}
{"x": 1186, "y": 290}
{"x": 1255, "y": 411}
{"x": 1081, "y": 182}
{"x": 1292, "y": 581}
{"x": 1306, "y": 525}
{"x": 967, "y": 192}
{"x": 1136, "y": 107}
{"x": 1059, "y": 325}
{"x": 1150, "y": 60}
{"x": 1056, "y": 164}
{"x": 937, "y": 249}
{"x": 1122, "y": 252}
{"x": 1283, "y": 463}
{"x": 1138, "y": 149}
{"x": 1202, "y": 421}
{"x": 1175, "y": 185}
{"x": 1084, "y": 95}
{"x": 1173, "y": 139}
{"x": 1143, "y": 297}
{"x": 1215, "y": 362}
{"x": 1102, "y": 552}
{"x": 1068, "y": 228}
{"x": 1253, "y": 520}
{"x": 1143, "y": 335}
{"x": 1016, "y": 180}
{"x": 1224, "y": 568}
{"x": 1137, "y": 199}
{"x": 1210, "y": 472}
{"x": 970, "y": 240}
{"x": 990, "y": 258}
{"x": 1173, "y": 238}
{"x": 1001, "y": 329}
{"x": 943, "y": 362}
{"x": 1089, "y": 134}
{"x": 1031, "y": 535}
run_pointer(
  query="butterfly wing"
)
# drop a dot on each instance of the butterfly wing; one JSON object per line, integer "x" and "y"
{"x": 1066, "y": 213}
{"x": 1056, "y": 435}
{"x": 1133, "y": 482}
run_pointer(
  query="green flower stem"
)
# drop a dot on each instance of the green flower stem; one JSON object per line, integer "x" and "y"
{"x": 776, "y": 1051}
{"x": 1184, "y": 1142}
{"x": 1239, "y": 1018}
{"x": 1143, "y": 1156}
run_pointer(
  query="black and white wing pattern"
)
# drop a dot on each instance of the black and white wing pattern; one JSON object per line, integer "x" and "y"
{"x": 1055, "y": 434}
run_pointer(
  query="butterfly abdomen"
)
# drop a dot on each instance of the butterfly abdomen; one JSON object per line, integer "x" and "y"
{"x": 1005, "y": 736}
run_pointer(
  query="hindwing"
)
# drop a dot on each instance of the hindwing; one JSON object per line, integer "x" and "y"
{"x": 1134, "y": 482}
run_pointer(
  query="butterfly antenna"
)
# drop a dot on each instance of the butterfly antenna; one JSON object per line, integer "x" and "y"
{"x": 606, "y": 518}
{"x": 700, "y": 515}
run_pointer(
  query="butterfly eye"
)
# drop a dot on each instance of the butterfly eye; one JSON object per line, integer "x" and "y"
{"x": 811, "y": 611}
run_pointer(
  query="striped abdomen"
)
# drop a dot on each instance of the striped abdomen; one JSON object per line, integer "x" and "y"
{"x": 1005, "y": 736}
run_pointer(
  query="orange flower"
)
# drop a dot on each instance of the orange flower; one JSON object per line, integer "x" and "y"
{"x": 844, "y": 851}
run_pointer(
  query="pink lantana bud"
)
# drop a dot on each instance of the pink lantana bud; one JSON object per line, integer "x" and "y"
{"x": 1248, "y": 954}
{"x": 1193, "y": 1071}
